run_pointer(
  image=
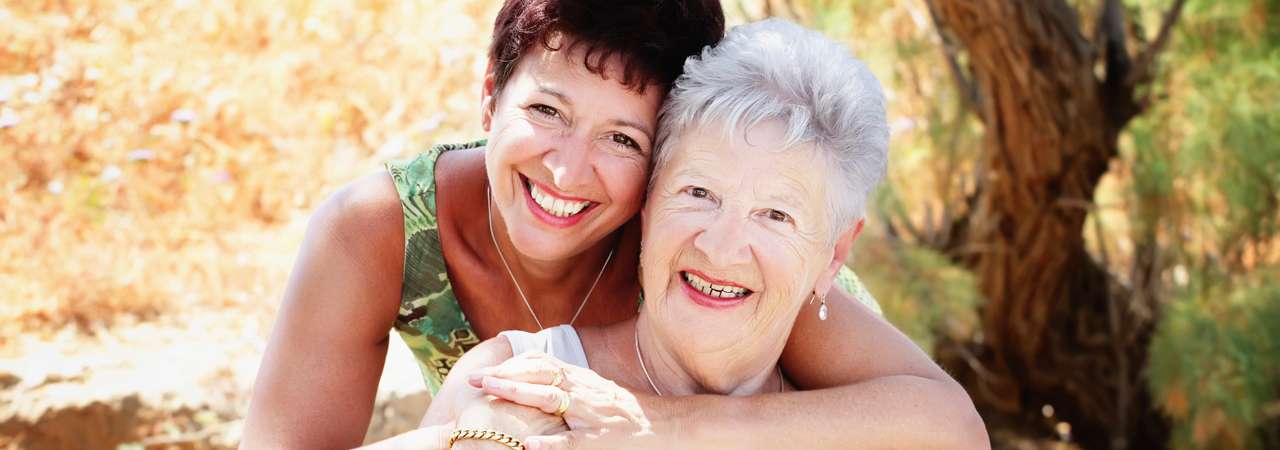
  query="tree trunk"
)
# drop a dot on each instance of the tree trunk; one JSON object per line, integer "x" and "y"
{"x": 1057, "y": 328}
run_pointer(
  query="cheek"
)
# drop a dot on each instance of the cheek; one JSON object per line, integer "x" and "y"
{"x": 788, "y": 290}
{"x": 624, "y": 180}
{"x": 667, "y": 222}
{"x": 787, "y": 272}
{"x": 666, "y": 236}
{"x": 661, "y": 238}
{"x": 511, "y": 144}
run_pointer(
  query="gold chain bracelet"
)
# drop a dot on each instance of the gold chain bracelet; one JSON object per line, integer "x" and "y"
{"x": 485, "y": 435}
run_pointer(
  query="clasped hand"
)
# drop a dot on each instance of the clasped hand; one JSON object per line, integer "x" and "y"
{"x": 600, "y": 414}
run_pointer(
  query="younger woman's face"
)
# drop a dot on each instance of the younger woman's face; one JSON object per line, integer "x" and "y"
{"x": 568, "y": 151}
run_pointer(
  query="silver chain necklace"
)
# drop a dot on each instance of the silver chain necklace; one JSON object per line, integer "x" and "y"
{"x": 645, "y": 370}
{"x": 503, "y": 258}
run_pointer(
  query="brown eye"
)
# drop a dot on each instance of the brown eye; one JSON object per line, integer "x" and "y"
{"x": 625, "y": 141}
{"x": 778, "y": 216}
{"x": 545, "y": 110}
{"x": 698, "y": 192}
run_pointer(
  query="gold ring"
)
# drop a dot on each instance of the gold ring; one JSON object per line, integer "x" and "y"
{"x": 564, "y": 404}
{"x": 558, "y": 379}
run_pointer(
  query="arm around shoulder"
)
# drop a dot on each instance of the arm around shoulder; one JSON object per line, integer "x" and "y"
{"x": 866, "y": 385}
{"x": 858, "y": 354}
{"x": 316, "y": 385}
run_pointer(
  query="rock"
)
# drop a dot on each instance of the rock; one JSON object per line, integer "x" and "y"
{"x": 8, "y": 380}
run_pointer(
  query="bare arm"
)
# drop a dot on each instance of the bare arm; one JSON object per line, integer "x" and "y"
{"x": 874, "y": 389}
{"x": 316, "y": 386}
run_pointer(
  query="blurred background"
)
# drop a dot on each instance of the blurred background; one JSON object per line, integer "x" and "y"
{"x": 1080, "y": 222}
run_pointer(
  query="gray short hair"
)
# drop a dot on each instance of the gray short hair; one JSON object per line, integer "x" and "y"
{"x": 777, "y": 70}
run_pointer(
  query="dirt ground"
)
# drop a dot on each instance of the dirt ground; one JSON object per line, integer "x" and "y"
{"x": 158, "y": 162}
{"x": 180, "y": 380}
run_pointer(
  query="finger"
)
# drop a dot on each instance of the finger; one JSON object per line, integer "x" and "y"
{"x": 562, "y": 441}
{"x": 533, "y": 370}
{"x": 539, "y": 374}
{"x": 540, "y": 396}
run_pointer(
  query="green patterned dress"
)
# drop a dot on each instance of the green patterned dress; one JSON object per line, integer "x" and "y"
{"x": 430, "y": 320}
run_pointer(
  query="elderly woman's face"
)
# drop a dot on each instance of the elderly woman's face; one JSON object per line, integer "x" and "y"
{"x": 568, "y": 152}
{"x": 735, "y": 236}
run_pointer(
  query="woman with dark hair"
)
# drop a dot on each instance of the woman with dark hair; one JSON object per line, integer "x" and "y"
{"x": 535, "y": 227}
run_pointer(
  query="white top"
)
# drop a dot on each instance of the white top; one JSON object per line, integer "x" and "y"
{"x": 560, "y": 341}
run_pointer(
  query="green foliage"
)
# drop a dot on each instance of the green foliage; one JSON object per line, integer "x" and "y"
{"x": 1215, "y": 364}
{"x": 923, "y": 294}
{"x": 1152, "y": 181}
{"x": 921, "y": 291}
{"x": 1205, "y": 166}
{"x": 1205, "y": 158}
{"x": 841, "y": 18}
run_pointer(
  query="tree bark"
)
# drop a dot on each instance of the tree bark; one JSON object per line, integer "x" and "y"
{"x": 1058, "y": 329}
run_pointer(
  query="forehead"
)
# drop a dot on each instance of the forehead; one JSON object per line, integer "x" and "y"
{"x": 760, "y": 144}
{"x": 756, "y": 161}
{"x": 570, "y": 59}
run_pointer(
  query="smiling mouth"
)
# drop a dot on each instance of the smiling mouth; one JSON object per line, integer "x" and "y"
{"x": 554, "y": 205}
{"x": 714, "y": 290}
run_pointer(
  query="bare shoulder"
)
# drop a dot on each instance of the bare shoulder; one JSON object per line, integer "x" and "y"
{"x": 320, "y": 371}
{"x": 355, "y": 246}
{"x": 460, "y": 184}
{"x": 460, "y": 165}
{"x": 365, "y": 211}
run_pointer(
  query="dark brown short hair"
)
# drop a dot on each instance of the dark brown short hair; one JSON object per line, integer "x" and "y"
{"x": 652, "y": 37}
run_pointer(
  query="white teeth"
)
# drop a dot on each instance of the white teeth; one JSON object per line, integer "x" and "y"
{"x": 712, "y": 289}
{"x": 554, "y": 206}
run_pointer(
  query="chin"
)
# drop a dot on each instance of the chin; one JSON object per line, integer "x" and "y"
{"x": 541, "y": 246}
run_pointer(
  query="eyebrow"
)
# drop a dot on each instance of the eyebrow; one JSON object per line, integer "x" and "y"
{"x": 693, "y": 171}
{"x": 790, "y": 200}
{"x": 788, "y": 194}
{"x": 690, "y": 172}
{"x": 632, "y": 124}
{"x": 554, "y": 93}
{"x": 648, "y": 134}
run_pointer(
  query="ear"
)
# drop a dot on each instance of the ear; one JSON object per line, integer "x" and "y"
{"x": 843, "y": 246}
{"x": 487, "y": 97}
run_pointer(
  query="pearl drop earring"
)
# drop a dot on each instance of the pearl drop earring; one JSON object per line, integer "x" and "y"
{"x": 822, "y": 309}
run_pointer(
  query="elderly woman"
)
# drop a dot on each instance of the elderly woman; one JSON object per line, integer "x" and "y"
{"x": 768, "y": 147}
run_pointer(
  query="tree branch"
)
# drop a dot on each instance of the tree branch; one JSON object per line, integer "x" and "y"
{"x": 1143, "y": 69}
{"x": 1112, "y": 32}
{"x": 1117, "y": 93}
{"x": 964, "y": 81}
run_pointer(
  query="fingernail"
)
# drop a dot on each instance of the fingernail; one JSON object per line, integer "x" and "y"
{"x": 475, "y": 378}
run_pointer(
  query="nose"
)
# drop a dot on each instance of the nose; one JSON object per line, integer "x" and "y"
{"x": 570, "y": 162}
{"x": 724, "y": 242}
